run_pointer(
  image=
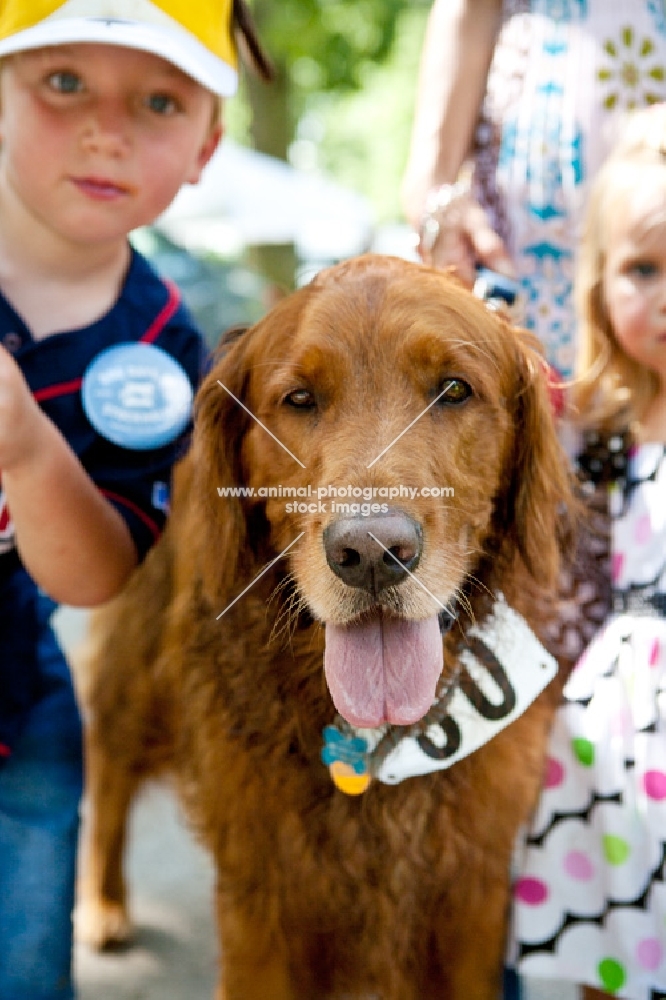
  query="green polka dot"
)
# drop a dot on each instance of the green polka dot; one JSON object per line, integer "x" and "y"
{"x": 611, "y": 974}
{"x": 616, "y": 849}
{"x": 584, "y": 751}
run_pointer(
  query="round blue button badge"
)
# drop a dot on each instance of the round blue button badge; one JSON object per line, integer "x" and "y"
{"x": 137, "y": 396}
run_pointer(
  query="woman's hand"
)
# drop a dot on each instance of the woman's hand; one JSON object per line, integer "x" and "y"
{"x": 457, "y": 233}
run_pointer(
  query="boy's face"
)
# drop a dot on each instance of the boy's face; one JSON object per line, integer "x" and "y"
{"x": 97, "y": 139}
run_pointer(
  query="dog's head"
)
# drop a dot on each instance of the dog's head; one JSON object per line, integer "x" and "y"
{"x": 398, "y": 440}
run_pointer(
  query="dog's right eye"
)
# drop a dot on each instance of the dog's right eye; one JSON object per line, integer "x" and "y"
{"x": 456, "y": 391}
{"x": 300, "y": 399}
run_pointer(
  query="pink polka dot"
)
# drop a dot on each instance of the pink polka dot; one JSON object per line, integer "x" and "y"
{"x": 617, "y": 565}
{"x": 654, "y": 783}
{"x": 655, "y": 653}
{"x": 531, "y": 891}
{"x": 554, "y": 773}
{"x": 649, "y": 953}
{"x": 579, "y": 866}
{"x": 642, "y": 531}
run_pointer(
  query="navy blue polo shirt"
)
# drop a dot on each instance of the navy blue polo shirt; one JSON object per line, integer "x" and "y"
{"x": 136, "y": 482}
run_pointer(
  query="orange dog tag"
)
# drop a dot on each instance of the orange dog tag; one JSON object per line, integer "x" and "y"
{"x": 347, "y": 780}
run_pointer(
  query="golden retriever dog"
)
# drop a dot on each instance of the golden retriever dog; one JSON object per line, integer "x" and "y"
{"x": 310, "y": 659}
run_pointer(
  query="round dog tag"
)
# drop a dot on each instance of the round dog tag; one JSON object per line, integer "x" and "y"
{"x": 137, "y": 396}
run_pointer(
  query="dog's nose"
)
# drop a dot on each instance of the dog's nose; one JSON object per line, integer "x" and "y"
{"x": 373, "y": 553}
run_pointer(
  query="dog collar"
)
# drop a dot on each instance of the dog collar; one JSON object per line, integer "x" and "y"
{"x": 501, "y": 670}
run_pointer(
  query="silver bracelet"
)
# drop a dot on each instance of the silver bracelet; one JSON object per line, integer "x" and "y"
{"x": 437, "y": 201}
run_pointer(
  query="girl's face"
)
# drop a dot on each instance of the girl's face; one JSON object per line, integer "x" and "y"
{"x": 97, "y": 139}
{"x": 634, "y": 273}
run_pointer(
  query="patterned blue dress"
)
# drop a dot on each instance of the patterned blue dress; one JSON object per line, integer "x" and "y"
{"x": 563, "y": 74}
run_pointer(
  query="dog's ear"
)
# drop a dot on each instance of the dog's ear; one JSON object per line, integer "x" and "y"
{"x": 231, "y": 547}
{"x": 220, "y": 423}
{"x": 535, "y": 514}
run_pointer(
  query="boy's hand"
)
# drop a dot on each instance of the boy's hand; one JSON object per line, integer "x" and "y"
{"x": 73, "y": 543}
{"x": 20, "y": 417}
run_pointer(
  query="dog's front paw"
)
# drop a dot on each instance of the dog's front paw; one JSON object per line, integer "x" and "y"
{"x": 101, "y": 924}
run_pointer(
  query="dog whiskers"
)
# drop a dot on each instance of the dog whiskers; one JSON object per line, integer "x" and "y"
{"x": 461, "y": 598}
{"x": 480, "y": 584}
{"x": 286, "y": 620}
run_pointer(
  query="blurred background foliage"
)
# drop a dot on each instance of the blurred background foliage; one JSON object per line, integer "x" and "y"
{"x": 343, "y": 97}
{"x": 341, "y": 105}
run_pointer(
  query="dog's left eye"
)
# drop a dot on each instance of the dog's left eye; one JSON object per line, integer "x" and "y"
{"x": 301, "y": 399}
{"x": 454, "y": 391}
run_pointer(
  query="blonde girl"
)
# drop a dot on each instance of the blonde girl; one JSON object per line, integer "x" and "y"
{"x": 590, "y": 898}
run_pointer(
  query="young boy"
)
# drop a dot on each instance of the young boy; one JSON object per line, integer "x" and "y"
{"x": 107, "y": 107}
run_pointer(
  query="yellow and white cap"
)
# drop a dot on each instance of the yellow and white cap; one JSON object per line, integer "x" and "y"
{"x": 194, "y": 35}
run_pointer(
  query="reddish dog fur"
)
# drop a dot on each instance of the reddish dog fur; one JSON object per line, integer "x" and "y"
{"x": 401, "y": 893}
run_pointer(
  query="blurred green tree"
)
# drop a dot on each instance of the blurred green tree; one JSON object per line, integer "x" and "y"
{"x": 364, "y": 135}
{"x": 315, "y": 45}
{"x": 324, "y": 52}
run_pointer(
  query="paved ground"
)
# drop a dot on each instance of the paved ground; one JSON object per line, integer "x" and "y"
{"x": 174, "y": 953}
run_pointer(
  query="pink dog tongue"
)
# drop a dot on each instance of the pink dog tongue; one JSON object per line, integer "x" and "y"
{"x": 383, "y": 670}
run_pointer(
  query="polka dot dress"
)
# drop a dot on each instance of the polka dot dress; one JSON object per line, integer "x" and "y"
{"x": 590, "y": 896}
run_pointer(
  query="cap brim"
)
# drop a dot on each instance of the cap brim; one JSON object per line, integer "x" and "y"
{"x": 179, "y": 48}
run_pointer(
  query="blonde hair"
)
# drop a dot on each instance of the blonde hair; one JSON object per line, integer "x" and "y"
{"x": 612, "y": 391}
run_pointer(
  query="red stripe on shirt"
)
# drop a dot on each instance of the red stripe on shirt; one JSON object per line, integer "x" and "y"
{"x": 59, "y": 389}
{"x": 141, "y": 514}
{"x": 151, "y": 334}
{"x": 163, "y": 317}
